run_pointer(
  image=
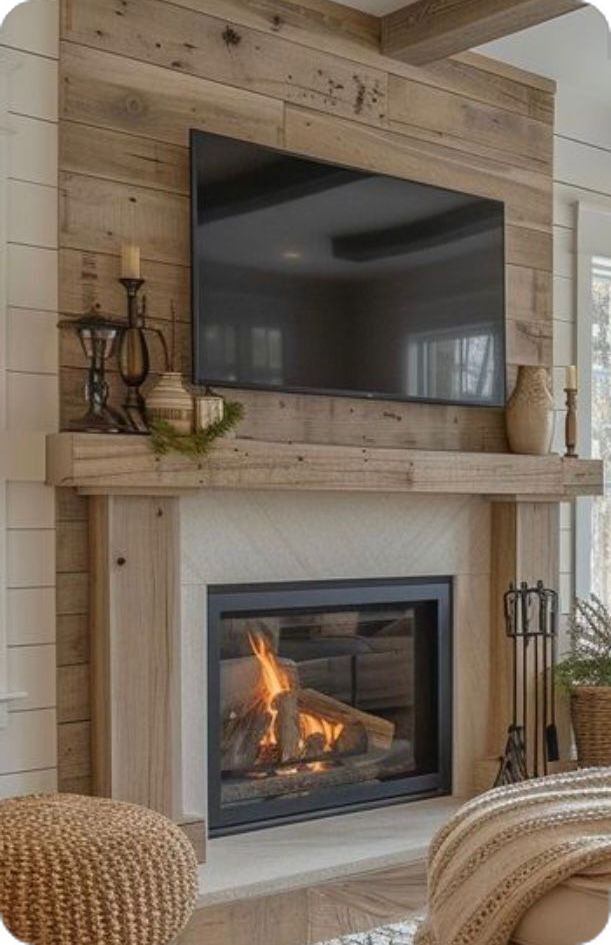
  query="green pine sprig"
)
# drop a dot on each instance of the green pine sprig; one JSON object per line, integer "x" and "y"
{"x": 164, "y": 439}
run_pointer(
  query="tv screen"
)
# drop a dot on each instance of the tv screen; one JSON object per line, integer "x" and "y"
{"x": 311, "y": 277}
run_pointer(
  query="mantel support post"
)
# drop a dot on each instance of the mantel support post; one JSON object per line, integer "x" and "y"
{"x": 525, "y": 547}
{"x": 135, "y": 610}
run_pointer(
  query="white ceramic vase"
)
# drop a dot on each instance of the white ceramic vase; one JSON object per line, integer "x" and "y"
{"x": 170, "y": 400}
{"x": 529, "y": 413}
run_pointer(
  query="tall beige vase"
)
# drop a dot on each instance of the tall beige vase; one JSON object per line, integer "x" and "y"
{"x": 529, "y": 413}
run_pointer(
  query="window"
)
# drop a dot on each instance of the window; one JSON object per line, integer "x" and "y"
{"x": 600, "y": 386}
{"x": 593, "y": 515}
{"x": 453, "y": 366}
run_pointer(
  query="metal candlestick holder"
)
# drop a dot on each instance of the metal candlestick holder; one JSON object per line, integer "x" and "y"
{"x": 570, "y": 425}
{"x": 133, "y": 357}
{"x": 98, "y": 337}
{"x": 531, "y": 620}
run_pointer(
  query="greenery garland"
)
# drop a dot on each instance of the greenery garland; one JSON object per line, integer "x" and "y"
{"x": 164, "y": 438}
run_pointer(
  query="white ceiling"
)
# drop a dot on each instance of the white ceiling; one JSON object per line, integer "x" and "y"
{"x": 574, "y": 49}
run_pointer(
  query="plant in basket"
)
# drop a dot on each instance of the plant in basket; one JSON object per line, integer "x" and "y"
{"x": 586, "y": 674}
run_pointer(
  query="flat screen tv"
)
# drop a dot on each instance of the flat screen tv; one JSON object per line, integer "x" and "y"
{"x": 316, "y": 278}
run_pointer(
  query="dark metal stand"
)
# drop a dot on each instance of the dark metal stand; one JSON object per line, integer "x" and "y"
{"x": 531, "y": 619}
{"x": 98, "y": 337}
{"x": 133, "y": 356}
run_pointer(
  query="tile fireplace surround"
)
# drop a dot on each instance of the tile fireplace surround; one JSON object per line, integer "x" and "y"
{"x": 256, "y": 537}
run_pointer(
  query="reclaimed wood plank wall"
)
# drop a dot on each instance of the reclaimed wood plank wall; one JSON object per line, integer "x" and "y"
{"x": 136, "y": 75}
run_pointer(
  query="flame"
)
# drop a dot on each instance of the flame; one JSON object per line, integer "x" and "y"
{"x": 313, "y": 725}
{"x": 274, "y": 681}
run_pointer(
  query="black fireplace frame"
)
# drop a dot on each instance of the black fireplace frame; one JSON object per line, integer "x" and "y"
{"x": 287, "y": 596}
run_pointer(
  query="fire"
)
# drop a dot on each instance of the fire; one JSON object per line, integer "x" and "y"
{"x": 274, "y": 682}
{"x": 312, "y": 725}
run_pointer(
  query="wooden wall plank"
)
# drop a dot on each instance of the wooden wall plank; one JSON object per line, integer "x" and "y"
{"x": 422, "y": 111}
{"x": 333, "y": 27}
{"x": 73, "y": 696}
{"x": 74, "y": 751}
{"x": 531, "y": 248}
{"x": 92, "y": 280}
{"x": 530, "y": 341}
{"x": 72, "y": 550}
{"x": 72, "y": 593}
{"x": 529, "y": 293}
{"x": 111, "y": 155}
{"x": 98, "y": 215}
{"x": 112, "y": 91}
{"x": 189, "y": 42}
{"x": 494, "y": 83}
{"x": 72, "y": 639}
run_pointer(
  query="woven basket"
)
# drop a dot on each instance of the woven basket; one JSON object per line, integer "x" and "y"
{"x": 90, "y": 871}
{"x": 591, "y": 715}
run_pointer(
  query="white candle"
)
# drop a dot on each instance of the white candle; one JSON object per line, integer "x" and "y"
{"x": 570, "y": 381}
{"x": 130, "y": 261}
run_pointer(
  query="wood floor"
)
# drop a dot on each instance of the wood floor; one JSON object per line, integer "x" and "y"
{"x": 313, "y": 913}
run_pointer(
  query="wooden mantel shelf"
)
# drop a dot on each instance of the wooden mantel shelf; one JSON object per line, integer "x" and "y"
{"x": 100, "y": 464}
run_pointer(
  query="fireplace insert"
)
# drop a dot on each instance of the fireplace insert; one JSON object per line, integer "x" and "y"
{"x": 326, "y": 697}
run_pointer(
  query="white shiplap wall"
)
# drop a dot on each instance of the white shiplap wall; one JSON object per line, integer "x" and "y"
{"x": 28, "y": 745}
{"x": 582, "y": 172}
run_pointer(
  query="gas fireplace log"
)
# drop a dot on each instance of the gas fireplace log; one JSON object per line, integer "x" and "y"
{"x": 240, "y": 737}
{"x": 279, "y": 783}
{"x": 286, "y": 725}
{"x": 380, "y": 732}
{"x": 354, "y": 739}
{"x": 369, "y": 767}
{"x": 314, "y": 747}
{"x": 241, "y": 679}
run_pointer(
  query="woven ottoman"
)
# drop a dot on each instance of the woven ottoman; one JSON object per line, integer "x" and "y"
{"x": 90, "y": 871}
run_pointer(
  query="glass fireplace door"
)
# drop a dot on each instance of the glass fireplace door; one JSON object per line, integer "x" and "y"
{"x": 326, "y": 697}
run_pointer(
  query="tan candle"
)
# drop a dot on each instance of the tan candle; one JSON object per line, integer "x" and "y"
{"x": 570, "y": 382}
{"x": 130, "y": 261}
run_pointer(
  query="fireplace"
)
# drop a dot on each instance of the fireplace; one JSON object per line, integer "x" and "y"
{"x": 326, "y": 697}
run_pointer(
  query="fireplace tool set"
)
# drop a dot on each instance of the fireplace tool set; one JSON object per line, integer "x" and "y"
{"x": 531, "y": 620}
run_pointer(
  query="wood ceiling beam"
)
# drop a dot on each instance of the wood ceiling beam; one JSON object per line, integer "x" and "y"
{"x": 428, "y": 30}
